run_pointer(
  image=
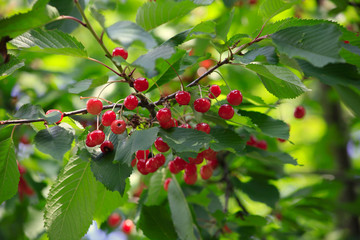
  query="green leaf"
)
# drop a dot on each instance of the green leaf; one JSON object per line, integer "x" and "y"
{"x": 112, "y": 175}
{"x": 87, "y": 84}
{"x": 52, "y": 117}
{"x": 8, "y": 68}
{"x": 55, "y": 141}
{"x": 350, "y": 97}
{"x": 155, "y": 222}
{"x": 71, "y": 202}
{"x": 227, "y": 139}
{"x": 269, "y": 126}
{"x": 22, "y": 22}
{"x": 268, "y": 52}
{"x": 229, "y": 3}
{"x": 261, "y": 191}
{"x": 153, "y": 14}
{"x": 271, "y": 158}
{"x": 307, "y": 42}
{"x": 223, "y": 25}
{"x": 9, "y": 173}
{"x": 350, "y": 53}
{"x": 156, "y": 193}
{"x": 180, "y": 212}
{"x": 52, "y": 42}
{"x": 185, "y": 140}
{"x": 271, "y": 8}
{"x": 139, "y": 140}
{"x": 28, "y": 111}
{"x": 126, "y": 32}
{"x": 279, "y": 81}
{"x": 97, "y": 15}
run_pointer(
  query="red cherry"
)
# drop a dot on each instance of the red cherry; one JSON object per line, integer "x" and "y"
{"x": 120, "y": 52}
{"x": 206, "y": 172}
{"x": 190, "y": 169}
{"x": 24, "y": 140}
{"x": 252, "y": 141}
{"x": 89, "y": 141}
{"x": 141, "y": 84}
{"x": 234, "y": 97}
{"x": 107, "y": 146}
{"x": 108, "y": 117}
{"x": 209, "y": 154}
{"x": 151, "y": 165}
{"x": 163, "y": 115}
{"x": 262, "y": 144}
{"x": 141, "y": 166}
{"x": 97, "y": 137}
{"x": 133, "y": 162}
{"x": 173, "y": 168}
{"x": 94, "y": 106}
{"x": 182, "y": 97}
{"x": 299, "y": 112}
{"x": 131, "y": 102}
{"x": 281, "y": 140}
{"x": 127, "y": 226}
{"x": 202, "y": 105}
{"x": 204, "y": 127}
{"x": 118, "y": 126}
{"x": 180, "y": 163}
{"x": 55, "y": 110}
{"x": 169, "y": 124}
{"x": 114, "y": 220}
{"x": 160, "y": 159}
{"x": 213, "y": 163}
{"x": 198, "y": 160}
{"x": 166, "y": 183}
{"x": 142, "y": 154}
{"x": 215, "y": 91}
{"x": 252, "y": 2}
{"x": 190, "y": 179}
{"x": 185, "y": 125}
{"x": 226, "y": 111}
{"x": 346, "y": 41}
{"x": 160, "y": 145}
{"x": 206, "y": 63}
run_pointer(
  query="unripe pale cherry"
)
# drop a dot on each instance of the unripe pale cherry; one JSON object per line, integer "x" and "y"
{"x": 234, "y": 97}
{"x": 107, "y": 146}
{"x": 226, "y": 111}
{"x": 299, "y": 112}
{"x": 182, "y": 97}
{"x": 163, "y": 115}
{"x": 118, "y": 126}
{"x": 94, "y": 106}
{"x": 141, "y": 84}
{"x": 202, "y": 105}
{"x": 215, "y": 91}
{"x": 108, "y": 117}
{"x": 160, "y": 145}
{"x": 204, "y": 127}
{"x": 120, "y": 52}
{"x": 131, "y": 102}
{"x": 55, "y": 110}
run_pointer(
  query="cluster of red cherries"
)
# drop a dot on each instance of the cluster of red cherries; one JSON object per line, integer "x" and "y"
{"x": 115, "y": 220}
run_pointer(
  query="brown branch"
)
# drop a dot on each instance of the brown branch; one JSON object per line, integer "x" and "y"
{"x": 62, "y": 17}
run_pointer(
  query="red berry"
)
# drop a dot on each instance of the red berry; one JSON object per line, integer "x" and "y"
{"x": 262, "y": 144}
{"x": 118, "y": 126}
{"x": 190, "y": 179}
{"x": 141, "y": 84}
{"x": 94, "y": 106}
{"x": 206, "y": 172}
{"x": 198, "y": 160}
{"x": 190, "y": 169}
{"x": 173, "y": 168}
{"x": 215, "y": 91}
{"x": 22, "y": 169}
{"x": 185, "y": 125}
{"x": 346, "y": 41}
{"x": 182, "y": 97}
{"x": 252, "y": 141}
{"x": 133, "y": 162}
{"x": 97, "y": 137}
{"x": 55, "y": 110}
{"x": 202, "y": 105}
{"x": 213, "y": 163}
{"x": 209, "y": 154}
{"x": 180, "y": 163}
{"x": 114, "y": 220}
{"x": 160, "y": 145}
{"x": 107, "y": 146}
{"x": 166, "y": 183}
{"x": 131, "y": 102}
{"x": 160, "y": 159}
{"x": 151, "y": 165}
{"x": 108, "y": 117}
{"x": 24, "y": 140}
{"x": 142, "y": 154}
{"x": 234, "y": 97}
{"x": 163, "y": 115}
{"x": 281, "y": 140}
{"x": 127, "y": 226}
{"x": 169, "y": 124}
{"x": 299, "y": 112}
{"x": 120, "y": 52}
{"x": 226, "y": 111}
{"x": 141, "y": 166}
{"x": 206, "y": 63}
{"x": 204, "y": 127}
{"x": 89, "y": 141}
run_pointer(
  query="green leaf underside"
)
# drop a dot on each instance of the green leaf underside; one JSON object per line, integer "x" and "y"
{"x": 308, "y": 42}
{"x": 271, "y": 8}
{"x": 71, "y": 202}
{"x": 350, "y": 97}
{"x": 95, "y": 13}
{"x": 87, "y": 84}
{"x": 10, "y": 67}
{"x": 52, "y": 117}
{"x": 269, "y": 126}
{"x": 9, "y": 173}
{"x": 112, "y": 175}
{"x": 185, "y": 140}
{"x": 270, "y": 157}
{"x": 139, "y": 140}
{"x": 126, "y": 32}
{"x": 180, "y": 212}
{"x": 156, "y": 192}
{"x": 227, "y": 139}
{"x": 155, "y": 222}
{"x": 28, "y": 111}
{"x": 268, "y": 52}
{"x": 20, "y": 23}
{"x": 279, "y": 81}
{"x": 52, "y": 42}
{"x": 351, "y": 54}
{"x": 261, "y": 191}
{"x": 55, "y": 141}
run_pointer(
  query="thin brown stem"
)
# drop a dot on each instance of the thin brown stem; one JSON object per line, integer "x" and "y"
{"x": 97, "y": 61}
{"x": 181, "y": 82}
{"x": 62, "y": 17}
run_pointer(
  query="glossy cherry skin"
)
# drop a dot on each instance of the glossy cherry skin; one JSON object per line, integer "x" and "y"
{"x": 190, "y": 179}
{"x": 141, "y": 166}
{"x": 89, "y": 141}
{"x": 213, "y": 163}
{"x": 204, "y": 127}
{"x": 160, "y": 145}
{"x": 299, "y": 112}
{"x": 120, "y": 52}
{"x": 107, "y": 146}
{"x": 55, "y": 110}
{"x": 131, "y": 102}
{"x": 118, "y": 126}
{"x": 252, "y": 141}
{"x": 127, "y": 226}
{"x": 180, "y": 163}
{"x": 234, "y": 97}
{"x": 185, "y": 125}
{"x": 198, "y": 160}
{"x": 226, "y": 111}
{"x": 97, "y": 136}
{"x": 202, "y": 105}
{"x": 182, "y": 97}
{"x": 141, "y": 84}
{"x": 190, "y": 169}
{"x": 160, "y": 159}
{"x": 172, "y": 123}
{"x": 94, "y": 106}
{"x": 209, "y": 154}
{"x": 114, "y": 220}
{"x": 206, "y": 172}
{"x": 151, "y": 165}
{"x": 108, "y": 117}
{"x": 163, "y": 115}
{"x": 173, "y": 167}
{"x": 166, "y": 183}
{"x": 215, "y": 91}
{"x": 142, "y": 154}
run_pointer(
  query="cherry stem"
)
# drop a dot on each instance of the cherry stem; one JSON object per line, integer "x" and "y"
{"x": 97, "y": 61}
{"x": 223, "y": 79}
{"x": 97, "y": 122}
{"x": 12, "y": 131}
{"x": 116, "y": 104}
{"x": 157, "y": 86}
{"x": 200, "y": 91}
{"x": 63, "y": 17}
{"x": 182, "y": 84}
{"x": 104, "y": 89}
